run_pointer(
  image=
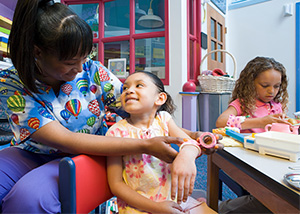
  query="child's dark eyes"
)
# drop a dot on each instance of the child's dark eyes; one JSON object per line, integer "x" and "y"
{"x": 139, "y": 85}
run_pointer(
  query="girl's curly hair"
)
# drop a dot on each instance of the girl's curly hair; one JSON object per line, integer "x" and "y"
{"x": 245, "y": 91}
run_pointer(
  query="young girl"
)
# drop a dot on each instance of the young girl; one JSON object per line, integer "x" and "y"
{"x": 142, "y": 182}
{"x": 259, "y": 98}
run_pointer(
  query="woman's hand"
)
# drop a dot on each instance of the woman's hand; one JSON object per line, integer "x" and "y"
{"x": 218, "y": 146}
{"x": 197, "y": 134}
{"x": 160, "y": 148}
{"x": 165, "y": 207}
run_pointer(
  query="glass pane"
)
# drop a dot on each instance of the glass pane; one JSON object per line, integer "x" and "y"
{"x": 94, "y": 53}
{"x": 191, "y": 16}
{"x": 192, "y": 69}
{"x": 89, "y": 13}
{"x": 220, "y": 55}
{"x": 116, "y": 18}
{"x": 150, "y": 56}
{"x": 212, "y": 28}
{"x": 154, "y": 20}
{"x": 117, "y": 50}
{"x": 219, "y": 36}
{"x": 213, "y": 47}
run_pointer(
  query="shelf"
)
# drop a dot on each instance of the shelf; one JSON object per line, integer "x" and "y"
{"x": 5, "y": 22}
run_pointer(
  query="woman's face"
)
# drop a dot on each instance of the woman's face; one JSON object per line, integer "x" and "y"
{"x": 267, "y": 85}
{"x": 53, "y": 70}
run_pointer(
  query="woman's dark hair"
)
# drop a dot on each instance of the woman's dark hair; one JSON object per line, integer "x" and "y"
{"x": 245, "y": 89}
{"x": 169, "y": 105}
{"x": 53, "y": 28}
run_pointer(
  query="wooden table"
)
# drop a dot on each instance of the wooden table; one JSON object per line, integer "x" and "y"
{"x": 260, "y": 175}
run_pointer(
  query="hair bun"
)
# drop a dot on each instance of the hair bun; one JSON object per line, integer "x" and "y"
{"x": 46, "y": 3}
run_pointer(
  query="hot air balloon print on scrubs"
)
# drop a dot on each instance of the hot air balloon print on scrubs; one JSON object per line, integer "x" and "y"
{"x": 43, "y": 111}
{"x": 65, "y": 115}
{"x": 93, "y": 89}
{"x": 101, "y": 76}
{"x": 15, "y": 118}
{"x": 73, "y": 107}
{"x": 91, "y": 121}
{"x": 107, "y": 87}
{"x": 82, "y": 85}
{"x": 94, "y": 107}
{"x": 24, "y": 133}
{"x": 3, "y": 90}
{"x": 34, "y": 123}
{"x": 66, "y": 88}
{"x": 16, "y": 103}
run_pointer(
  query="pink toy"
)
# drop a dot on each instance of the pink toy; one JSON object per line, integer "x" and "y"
{"x": 207, "y": 140}
{"x": 281, "y": 127}
{"x": 189, "y": 86}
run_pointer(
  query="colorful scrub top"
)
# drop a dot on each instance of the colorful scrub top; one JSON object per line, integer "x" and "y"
{"x": 261, "y": 109}
{"x": 146, "y": 174}
{"x": 79, "y": 105}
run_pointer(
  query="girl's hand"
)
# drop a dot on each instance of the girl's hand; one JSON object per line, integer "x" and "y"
{"x": 275, "y": 118}
{"x": 165, "y": 207}
{"x": 184, "y": 172}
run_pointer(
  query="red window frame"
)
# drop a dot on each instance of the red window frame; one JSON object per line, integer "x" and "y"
{"x": 101, "y": 40}
{"x": 194, "y": 38}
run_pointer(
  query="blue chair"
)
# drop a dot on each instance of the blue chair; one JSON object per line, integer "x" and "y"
{"x": 83, "y": 183}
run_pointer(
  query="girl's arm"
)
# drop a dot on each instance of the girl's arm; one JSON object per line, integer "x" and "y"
{"x": 55, "y": 135}
{"x": 222, "y": 119}
{"x": 250, "y": 123}
{"x": 183, "y": 168}
{"x": 131, "y": 197}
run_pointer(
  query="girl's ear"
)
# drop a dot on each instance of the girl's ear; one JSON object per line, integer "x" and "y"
{"x": 161, "y": 99}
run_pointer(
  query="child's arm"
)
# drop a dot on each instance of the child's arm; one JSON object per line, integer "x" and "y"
{"x": 249, "y": 123}
{"x": 222, "y": 119}
{"x": 183, "y": 168}
{"x": 131, "y": 197}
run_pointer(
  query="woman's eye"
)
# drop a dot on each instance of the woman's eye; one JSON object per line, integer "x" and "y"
{"x": 139, "y": 85}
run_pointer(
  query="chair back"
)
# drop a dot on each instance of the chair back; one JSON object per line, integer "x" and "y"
{"x": 83, "y": 183}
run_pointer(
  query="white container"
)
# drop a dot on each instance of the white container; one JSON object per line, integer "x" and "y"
{"x": 279, "y": 144}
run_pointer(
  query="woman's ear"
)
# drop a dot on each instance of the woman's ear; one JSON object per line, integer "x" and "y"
{"x": 161, "y": 99}
{"x": 37, "y": 52}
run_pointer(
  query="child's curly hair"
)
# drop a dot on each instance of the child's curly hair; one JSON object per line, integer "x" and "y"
{"x": 245, "y": 90}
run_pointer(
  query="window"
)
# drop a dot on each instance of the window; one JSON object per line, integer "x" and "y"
{"x": 194, "y": 32}
{"x": 215, "y": 38}
{"x": 124, "y": 29}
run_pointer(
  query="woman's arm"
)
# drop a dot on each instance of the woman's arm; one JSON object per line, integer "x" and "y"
{"x": 131, "y": 197}
{"x": 55, "y": 135}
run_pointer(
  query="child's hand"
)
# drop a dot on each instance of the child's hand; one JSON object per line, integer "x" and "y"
{"x": 184, "y": 172}
{"x": 167, "y": 207}
{"x": 275, "y": 118}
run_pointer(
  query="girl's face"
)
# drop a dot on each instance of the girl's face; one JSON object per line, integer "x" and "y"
{"x": 54, "y": 70}
{"x": 140, "y": 94}
{"x": 267, "y": 85}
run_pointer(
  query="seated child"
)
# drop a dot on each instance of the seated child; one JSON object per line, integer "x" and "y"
{"x": 259, "y": 98}
{"x": 141, "y": 182}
